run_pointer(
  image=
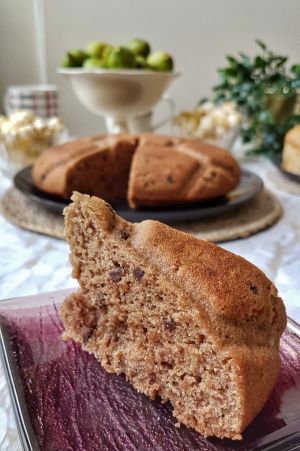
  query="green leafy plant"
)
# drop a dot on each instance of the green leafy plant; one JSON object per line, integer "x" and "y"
{"x": 265, "y": 90}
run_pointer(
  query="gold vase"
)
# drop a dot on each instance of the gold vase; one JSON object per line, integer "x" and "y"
{"x": 282, "y": 105}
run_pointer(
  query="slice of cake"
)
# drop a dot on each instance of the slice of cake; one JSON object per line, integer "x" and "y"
{"x": 182, "y": 318}
{"x": 291, "y": 151}
{"x": 176, "y": 171}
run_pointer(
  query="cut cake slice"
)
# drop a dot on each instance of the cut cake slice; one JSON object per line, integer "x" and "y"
{"x": 178, "y": 171}
{"x": 182, "y": 318}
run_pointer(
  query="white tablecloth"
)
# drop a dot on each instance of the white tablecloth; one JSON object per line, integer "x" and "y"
{"x": 32, "y": 263}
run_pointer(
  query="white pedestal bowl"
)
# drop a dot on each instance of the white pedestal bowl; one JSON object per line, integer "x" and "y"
{"x": 125, "y": 98}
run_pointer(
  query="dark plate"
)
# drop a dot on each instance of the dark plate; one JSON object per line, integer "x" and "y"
{"x": 250, "y": 185}
{"x": 64, "y": 400}
{"x": 277, "y": 161}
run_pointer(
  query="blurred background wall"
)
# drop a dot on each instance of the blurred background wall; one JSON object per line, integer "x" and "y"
{"x": 199, "y": 33}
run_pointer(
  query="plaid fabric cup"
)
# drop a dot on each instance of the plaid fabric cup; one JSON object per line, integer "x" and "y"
{"x": 42, "y": 100}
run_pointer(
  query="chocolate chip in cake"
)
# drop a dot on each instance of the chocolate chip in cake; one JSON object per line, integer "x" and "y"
{"x": 170, "y": 179}
{"x": 138, "y": 273}
{"x": 152, "y": 378}
{"x": 211, "y": 272}
{"x": 124, "y": 235}
{"x": 167, "y": 365}
{"x": 170, "y": 325}
{"x": 253, "y": 289}
{"x": 116, "y": 275}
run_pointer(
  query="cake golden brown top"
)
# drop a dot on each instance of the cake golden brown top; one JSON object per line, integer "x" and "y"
{"x": 239, "y": 294}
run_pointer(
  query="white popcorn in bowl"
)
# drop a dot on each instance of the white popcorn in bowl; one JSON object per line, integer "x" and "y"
{"x": 216, "y": 124}
{"x": 206, "y": 124}
{"x": 23, "y": 136}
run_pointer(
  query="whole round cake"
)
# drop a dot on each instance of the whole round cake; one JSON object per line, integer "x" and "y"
{"x": 148, "y": 170}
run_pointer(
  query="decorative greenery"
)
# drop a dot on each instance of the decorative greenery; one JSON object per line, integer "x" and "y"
{"x": 265, "y": 90}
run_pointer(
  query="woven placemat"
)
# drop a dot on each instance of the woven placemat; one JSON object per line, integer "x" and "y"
{"x": 258, "y": 214}
{"x": 282, "y": 182}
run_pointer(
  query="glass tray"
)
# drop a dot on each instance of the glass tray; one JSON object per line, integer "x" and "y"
{"x": 63, "y": 400}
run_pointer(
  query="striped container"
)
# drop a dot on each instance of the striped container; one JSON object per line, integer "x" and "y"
{"x": 42, "y": 100}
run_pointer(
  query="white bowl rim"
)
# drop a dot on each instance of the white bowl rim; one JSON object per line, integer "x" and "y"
{"x": 118, "y": 72}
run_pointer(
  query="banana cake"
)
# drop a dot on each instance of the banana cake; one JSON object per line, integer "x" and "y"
{"x": 147, "y": 170}
{"x": 182, "y": 318}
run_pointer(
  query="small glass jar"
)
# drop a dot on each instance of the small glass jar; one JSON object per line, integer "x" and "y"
{"x": 23, "y": 136}
{"x": 215, "y": 124}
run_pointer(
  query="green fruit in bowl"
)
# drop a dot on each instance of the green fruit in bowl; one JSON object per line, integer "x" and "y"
{"x": 94, "y": 63}
{"x": 141, "y": 62}
{"x": 95, "y": 49}
{"x": 74, "y": 58}
{"x": 68, "y": 61}
{"x": 106, "y": 52}
{"x": 139, "y": 47}
{"x": 121, "y": 58}
{"x": 160, "y": 61}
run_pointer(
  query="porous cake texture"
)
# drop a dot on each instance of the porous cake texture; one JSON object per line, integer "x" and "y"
{"x": 147, "y": 170}
{"x": 182, "y": 318}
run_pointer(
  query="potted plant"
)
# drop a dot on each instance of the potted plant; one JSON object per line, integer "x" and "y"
{"x": 267, "y": 92}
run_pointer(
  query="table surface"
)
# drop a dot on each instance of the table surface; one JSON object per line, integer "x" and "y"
{"x": 32, "y": 263}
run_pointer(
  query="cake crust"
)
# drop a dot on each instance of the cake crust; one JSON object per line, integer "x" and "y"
{"x": 180, "y": 317}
